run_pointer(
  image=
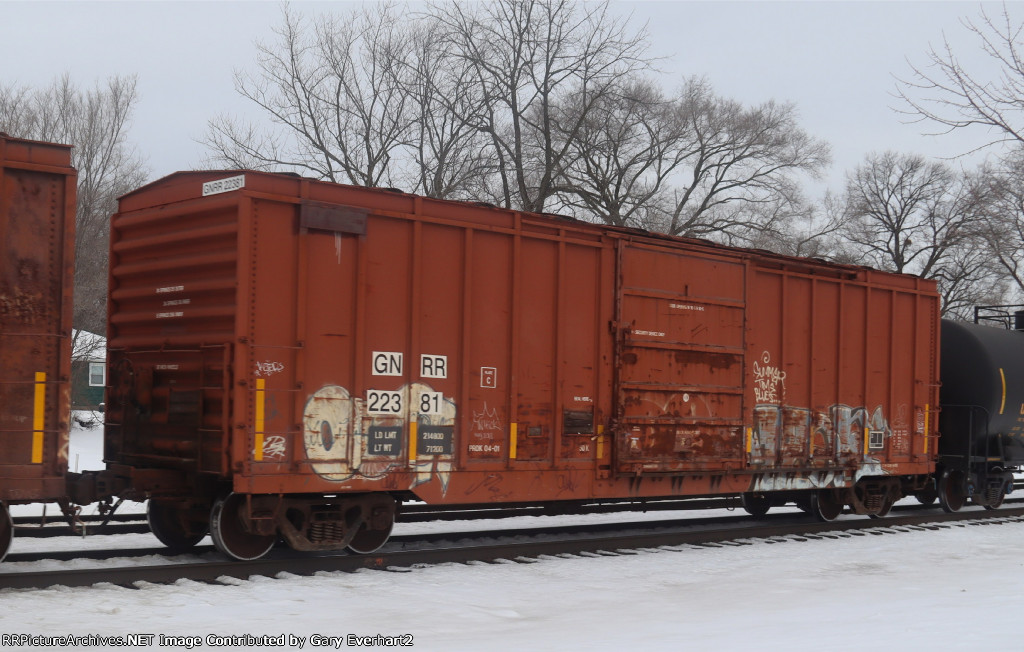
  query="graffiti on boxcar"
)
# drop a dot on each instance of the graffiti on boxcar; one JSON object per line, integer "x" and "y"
{"x": 825, "y": 479}
{"x": 768, "y": 380}
{"x": 274, "y": 447}
{"x": 487, "y": 421}
{"x": 327, "y": 433}
{"x": 569, "y": 481}
{"x": 795, "y": 482}
{"x": 435, "y": 434}
{"x": 821, "y": 435}
{"x": 491, "y": 485}
{"x": 344, "y": 439}
{"x": 790, "y": 437}
{"x": 268, "y": 368}
{"x": 487, "y": 430}
{"x": 851, "y": 424}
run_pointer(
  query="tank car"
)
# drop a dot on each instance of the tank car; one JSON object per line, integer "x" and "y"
{"x": 37, "y": 211}
{"x": 982, "y": 421}
{"x": 291, "y": 358}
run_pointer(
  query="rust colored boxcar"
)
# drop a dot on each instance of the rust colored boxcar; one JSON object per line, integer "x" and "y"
{"x": 311, "y": 353}
{"x": 37, "y": 215}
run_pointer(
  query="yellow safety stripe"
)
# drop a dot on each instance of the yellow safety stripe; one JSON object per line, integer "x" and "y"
{"x": 39, "y": 418}
{"x": 261, "y": 400}
{"x": 413, "y": 427}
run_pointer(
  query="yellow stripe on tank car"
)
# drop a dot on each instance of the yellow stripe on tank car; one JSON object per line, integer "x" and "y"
{"x": 261, "y": 401}
{"x": 513, "y": 440}
{"x": 1002, "y": 406}
{"x": 39, "y": 418}
{"x": 413, "y": 427}
{"x": 867, "y": 440}
{"x": 750, "y": 440}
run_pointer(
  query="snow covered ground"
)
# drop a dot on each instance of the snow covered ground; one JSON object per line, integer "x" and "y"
{"x": 907, "y": 591}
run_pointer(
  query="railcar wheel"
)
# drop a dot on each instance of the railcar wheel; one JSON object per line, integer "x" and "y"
{"x": 825, "y": 505}
{"x": 885, "y": 508}
{"x": 927, "y": 496}
{"x": 171, "y": 526}
{"x": 996, "y": 503}
{"x": 997, "y": 500}
{"x": 6, "y": 531}
{"x": 366, "y": 541}
{"x": 989, "y": 500}
{"x": 756, "y": 504}
{"x": 229, "y": 534}
{"x": 951, "y": 491}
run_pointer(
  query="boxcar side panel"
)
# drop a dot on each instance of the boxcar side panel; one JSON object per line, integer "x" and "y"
{"x": 839, "y": 375}
{"x": 581, "y": 332}
{"x": 488, "y": 329}
{"x": 173, "y": 311}
{"x": 37, "y": 210}
{"x": 680, "y": 360}
{"x": 383, "y": 342}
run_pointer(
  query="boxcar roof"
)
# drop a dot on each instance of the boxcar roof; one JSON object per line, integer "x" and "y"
{"x": 33, "y": 152}
{"x": 189, "y": 185}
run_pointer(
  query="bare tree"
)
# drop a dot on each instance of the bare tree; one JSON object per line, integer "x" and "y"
{"x": 528, "y": 58}
{"x": 808, "y": 229}
{"x": 736, "y": 159}
{"x": 336, "y": 94}
{"x": 908, "y": 215}
{"x": 530, "y": 104}
{"x": 968, "y": 277}
{"x": 459, "y": 102}
{"x": 697, "y": 165}
{"x": 95, "y": 121}
{"x": 622, "y": 156}
{"x": 17, "y": 113}
{"x": 947, "y": 93}
{"x": 450, "y": 157}
{"x": 905, "y": 213}
{"x": 1003, "y": 225}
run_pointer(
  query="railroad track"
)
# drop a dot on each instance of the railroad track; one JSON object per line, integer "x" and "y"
{"x": 394, "y": 558}
{"x": 135, "y": 523}
{"x": 403, "y": 542}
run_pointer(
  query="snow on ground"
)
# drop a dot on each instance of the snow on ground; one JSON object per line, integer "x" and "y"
{"x": 908, "y": 591}
{"x": 924, "y": 590}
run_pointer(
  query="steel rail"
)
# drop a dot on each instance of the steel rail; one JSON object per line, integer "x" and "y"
{"x": 285, "y": 561}
{"x": 134, "y": 523}
{"x": 404, "y": 541}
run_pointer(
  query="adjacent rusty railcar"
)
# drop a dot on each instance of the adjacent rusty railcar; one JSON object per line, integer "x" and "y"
{"x": 37, "y": 211}
{"x": 292, "y": 358}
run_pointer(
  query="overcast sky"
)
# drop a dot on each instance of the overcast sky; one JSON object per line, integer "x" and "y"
{"x": 835, "y": 60}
